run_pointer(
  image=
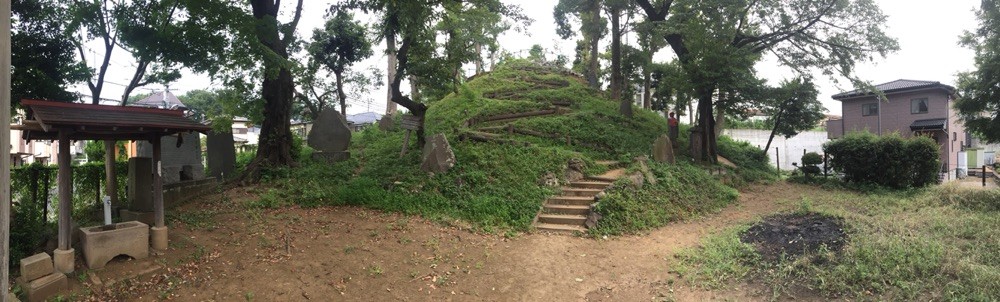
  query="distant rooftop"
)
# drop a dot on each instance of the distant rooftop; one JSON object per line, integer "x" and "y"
{"x": 364, "y": 118}
{"x": 162, "y": 99}
{"x": 896, "y": 86}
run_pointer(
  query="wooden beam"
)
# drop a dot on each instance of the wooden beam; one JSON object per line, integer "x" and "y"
{"x": 4, "y": 148}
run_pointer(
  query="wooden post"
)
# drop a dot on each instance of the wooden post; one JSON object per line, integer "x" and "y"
{"x": 63, "y": 257}
{"x": 406, "y": 143}
{"x": 65, "y": 183}
{"x": 157, "y": 184}
{"x": 4, "y": 148}
{"x": 984, "y": 175}
{"x": 110, "y": 173}
{"x": 777, "y": 159}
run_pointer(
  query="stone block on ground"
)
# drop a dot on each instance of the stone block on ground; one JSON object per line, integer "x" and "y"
{"x": 330, "y": 132}
{"x": 574, "y": 170}
{"x": 36, "y": 266}
{"x": 437, "y": 155}
{"x": 662, "y": 150}
{"x": 44, "y": 287}
{"x": 650, "y": 178}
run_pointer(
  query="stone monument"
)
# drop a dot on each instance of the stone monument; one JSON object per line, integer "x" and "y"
{"x": 330, "y": 137}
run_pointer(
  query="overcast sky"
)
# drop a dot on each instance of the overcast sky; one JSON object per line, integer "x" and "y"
{"x": 927, "y": 32}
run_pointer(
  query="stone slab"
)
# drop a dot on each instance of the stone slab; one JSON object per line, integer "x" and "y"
{"x": 140, "y": 184}
{"x": 221, "y": 155}
{"x": 663, "y": 151}
{"x": 100, "y": 245}
{"x": 44, "y": 287}
{"x": 36, "y": 266}
{"x": 437, "y": 155}
{"x": 330, "y": 132}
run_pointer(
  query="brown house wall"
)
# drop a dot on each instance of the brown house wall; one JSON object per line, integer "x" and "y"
{"x": 896, "y": 117}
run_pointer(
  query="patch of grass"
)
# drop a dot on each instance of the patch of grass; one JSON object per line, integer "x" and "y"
{"x": 682, "y": 190}
{"x": 923, "y": 244}
{"x": 196, "y": 220}
{"x": 721, "y": 260}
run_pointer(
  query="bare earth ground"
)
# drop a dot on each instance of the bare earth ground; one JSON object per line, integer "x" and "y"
{"x": 221, "y": 252}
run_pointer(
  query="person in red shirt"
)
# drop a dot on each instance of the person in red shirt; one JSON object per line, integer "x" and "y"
{"x": 672, "y": 122}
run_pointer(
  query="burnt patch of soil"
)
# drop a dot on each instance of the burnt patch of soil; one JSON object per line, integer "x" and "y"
{"x": 795, "y": 234}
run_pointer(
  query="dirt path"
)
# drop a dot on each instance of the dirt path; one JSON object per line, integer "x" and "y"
{"x": 348, "y": 253}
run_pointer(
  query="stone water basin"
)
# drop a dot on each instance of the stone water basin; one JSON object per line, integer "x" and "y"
{"x": 100, "y": 244}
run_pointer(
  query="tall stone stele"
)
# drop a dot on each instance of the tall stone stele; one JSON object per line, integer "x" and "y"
{"x": 437, "y": 155}
{"x": 662, "y": 150}
{"x": 330, "y": 137}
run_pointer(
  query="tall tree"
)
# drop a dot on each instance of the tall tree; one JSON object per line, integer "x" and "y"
{"x": 139, "y": 27}
{"x": 277, "y": 87}
{"x": 338, "y": 45}
{"x": 419, "y": 53}
{"x": 979, "y": 101}
{"x": 792, "y": 108}
{"x": 43, "y": 58}
{"x": 828, "y": 35}
{"x": 592, "y": 28}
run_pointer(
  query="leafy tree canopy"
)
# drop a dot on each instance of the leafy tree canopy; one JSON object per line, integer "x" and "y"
{"x": 979, "y": 103}
{"x": 43, "y": 58}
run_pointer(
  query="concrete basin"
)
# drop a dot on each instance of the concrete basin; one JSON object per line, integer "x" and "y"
{"x": 102, "y": 243}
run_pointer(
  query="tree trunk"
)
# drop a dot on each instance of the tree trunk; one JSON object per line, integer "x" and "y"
{"x": 706, "y": 122}
{"x": 647, "y": 86}
{"x": 274, "y": 147}
{"x": 416, "y": 108}
{"x": 595, "y": 66}
{"x": 390, "y": 45}
{"x": 720, "y": 114}
{"x": 777, "y": 121}
{"x": 479, "y": 58}
{"x": 625, "y": 106}
{"x": 340, "y": 94}
{"x": 414, "y": 89}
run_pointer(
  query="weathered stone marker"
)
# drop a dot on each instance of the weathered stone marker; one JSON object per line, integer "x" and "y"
{"x": 662, "y": 150}
{"x": 330, "y": 136}
{"x": 437, "y": 155}
{"x": 221, "y": 154}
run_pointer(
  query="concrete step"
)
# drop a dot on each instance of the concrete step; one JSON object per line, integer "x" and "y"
{"x": 560, "y": 228}
{"x": 571, "y": 200}
{"x": 577, "y": 220}
{"x": 567, "y": 191}
{"x": 566, "y": 209}
{"x": 590, "y": 184}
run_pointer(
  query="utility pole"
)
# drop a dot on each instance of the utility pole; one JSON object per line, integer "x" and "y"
{"x": 4, "y": 148}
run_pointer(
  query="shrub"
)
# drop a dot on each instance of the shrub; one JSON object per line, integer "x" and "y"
{"x": 810, "y": 162}
{"x": 890, "y": 160}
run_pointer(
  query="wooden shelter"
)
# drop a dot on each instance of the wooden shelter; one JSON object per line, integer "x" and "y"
{"x": 65, "y": 122}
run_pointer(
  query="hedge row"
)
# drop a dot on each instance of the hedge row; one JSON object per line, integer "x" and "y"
{"x": 889, "y": 160}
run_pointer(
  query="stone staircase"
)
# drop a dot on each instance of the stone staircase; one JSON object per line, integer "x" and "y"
{"x": 567, "y": 212}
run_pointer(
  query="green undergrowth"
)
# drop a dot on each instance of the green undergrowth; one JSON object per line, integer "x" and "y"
{"x": 682, "y": 190}
{"x": 939, "y": 243}
{"x": 495, "y": 186}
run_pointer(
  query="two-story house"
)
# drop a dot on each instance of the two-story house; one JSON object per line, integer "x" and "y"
{"x": 909, "y": 108}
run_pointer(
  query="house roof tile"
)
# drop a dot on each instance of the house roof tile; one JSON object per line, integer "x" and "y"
{"x": 895, "y": 86}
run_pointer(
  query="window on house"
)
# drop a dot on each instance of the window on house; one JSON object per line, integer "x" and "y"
{"x": 918, "y": 106}
{"x": 869, "y": 109}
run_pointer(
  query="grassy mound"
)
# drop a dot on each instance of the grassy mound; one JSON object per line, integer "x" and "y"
{"x": 495, "y": 184}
